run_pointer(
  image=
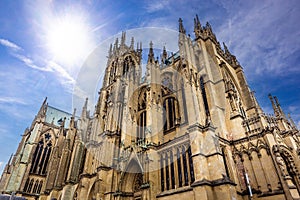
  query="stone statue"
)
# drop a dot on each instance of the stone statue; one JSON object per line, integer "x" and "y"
{"x": 281, "y": 164}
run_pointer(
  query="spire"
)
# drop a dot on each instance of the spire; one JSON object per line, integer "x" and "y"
{"x": 209, "y": 33}
{"x": 43, "y": 108}
{"x": 132, "y": 43}
{"x": 72, "y": 121}
{"x": 151, "y": 53}
{"x": 139, "y": 50}
{"x": 208, "y": 26}
{"x": 110, "y": 50}
{"x": 197, "y": 26}
{"x": 84, "y": 113}
{"x": 226, "y": 49}
{"x": 116, "y": 45}
{"x": 279, "y": 107}
{"x": 292, "y": 121}
{"x": 181, "y": 28}
{"x": 123, "y": 38}
{"x": 165, "y": 54}
{"x": 273, "y": 105}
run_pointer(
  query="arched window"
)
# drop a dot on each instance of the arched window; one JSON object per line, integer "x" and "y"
{"x": 30, "y": 186}
{"x": 167, "y": 172}
{"x": 35, "y": 186}
{"x": 142, "y": 124}
{"x": 26, "y": 185}
{"x": 179, "y": 167}
{"x": 45, "y": 159}
{"x": 41, "y": 156}
{"x": 181, "y": 160}
{"x": 191, "y": 165}
{"x": 203, "y": 92}
{"x": 126, "y": 64}
{"x": 36, "y": 156}
{"x": 40, "y": 187}
{"x": 162, "y": 178}
{"x": 185, "y": 168}
{"x": 172, "y": 170}
{"x": 169, "y": 113}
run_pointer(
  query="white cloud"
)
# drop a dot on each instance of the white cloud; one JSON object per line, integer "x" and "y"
{"x": 10, "y": 44}
{"x": 47, "y": 66}
{"x": 28, "y": 62}
{"x": 66, "y": 77}
{"x": 12, "y": 100}
{"x": 263, "y": 34}
{"x": 154, "y": 6}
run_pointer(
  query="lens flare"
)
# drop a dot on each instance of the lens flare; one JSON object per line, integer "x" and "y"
{"x": 68, "y": 38}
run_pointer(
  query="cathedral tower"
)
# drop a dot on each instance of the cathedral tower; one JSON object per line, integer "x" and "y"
{"x": 189, "y": 128}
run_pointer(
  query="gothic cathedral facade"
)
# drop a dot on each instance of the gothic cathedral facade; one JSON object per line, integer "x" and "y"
{"x": 191, "y": 128}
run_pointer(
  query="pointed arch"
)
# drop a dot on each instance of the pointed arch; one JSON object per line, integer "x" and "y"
{"x": 26, "y": 185}
{"x": 132, "y": 179}
{"x": 41, "y": 155}
{"x": 30, "y": 186}
{"x": 286, "y": 162}
{"x": 128, "y": 64}
{"x": 169, "y": 113}
{"x": 35, "y": 187}
{"x": 92, "y": 194}
{"x": 40, "y": 187}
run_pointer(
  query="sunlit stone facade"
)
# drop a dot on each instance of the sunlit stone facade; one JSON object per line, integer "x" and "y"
{"x": 190, "y": 128}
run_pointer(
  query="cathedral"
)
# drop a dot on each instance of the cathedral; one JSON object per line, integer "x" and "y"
{"x": 188, "y": 128}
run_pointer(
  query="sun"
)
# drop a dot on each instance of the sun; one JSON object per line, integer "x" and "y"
{"x": 68, "y": 38}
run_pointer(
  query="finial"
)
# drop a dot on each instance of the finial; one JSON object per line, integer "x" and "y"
{"x": 273, "y": 105}
{"x": 45, "y": 101}
{"x": 151, "y": 53}
{"x": 181, "y": 28}
{"x": 208, "y": 25}
{"x": 132, "y": 43}
{"x": 279, "y": 107}
{"x": 292, "y": 121}
{"x": 123, "y": 38}
{"x": 84, "y": 113}
{"x": 164, "y": 54}
{"x": 226, "y": 49}
{"x": 74, "y": 113}
{"x": 116, "y": 43}
{"x": 197, "y": 24}
{"x": 110, "y": 50}
{"x": 198, "y": 21}
{"x": 86, "y": 102}
{"x": 72, "y": 121}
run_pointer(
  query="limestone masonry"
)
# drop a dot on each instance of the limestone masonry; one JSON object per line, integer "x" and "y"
{"x": 191, "y": 128}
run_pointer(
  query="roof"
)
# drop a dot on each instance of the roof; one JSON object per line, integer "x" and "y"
{"x": 57, "y": 116}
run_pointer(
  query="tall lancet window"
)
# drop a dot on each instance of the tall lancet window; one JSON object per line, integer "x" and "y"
{"x": 142, "y": 123}
{"x": 113, "y": 71}
{"x": 142, "y": 115}
{"x": 169, "y": 113}
{"x": 128, "y": 63}
{"x": 41, "y": 156}
{"x": 204, "y": 96}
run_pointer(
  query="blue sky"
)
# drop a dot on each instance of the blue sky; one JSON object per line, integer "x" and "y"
{"x": 264, "y": 35}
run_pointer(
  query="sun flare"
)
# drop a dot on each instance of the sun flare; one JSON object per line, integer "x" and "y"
{"x": 68, "y": 39}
